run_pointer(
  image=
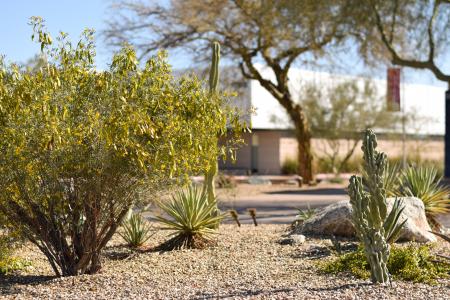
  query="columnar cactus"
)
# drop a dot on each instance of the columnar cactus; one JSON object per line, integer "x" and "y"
{"x": 213, "y": 83}
{"x": 368, "y": 200}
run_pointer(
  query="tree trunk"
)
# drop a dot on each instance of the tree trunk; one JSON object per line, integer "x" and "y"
{"x": 303, "y": 136}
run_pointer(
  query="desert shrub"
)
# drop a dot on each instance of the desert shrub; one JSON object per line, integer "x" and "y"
{"x": 289, "y": 166}
{"x": 79, "y": 145}
{"x": 409, "y": 263}
{"x": 191, "y": 218}
{"x": 424, "y": 183}
{"x": 136, "y": 230}
{"x": 8, "y": 262}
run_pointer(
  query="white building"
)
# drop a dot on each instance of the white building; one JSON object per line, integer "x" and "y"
{"x": 271, "y": 138}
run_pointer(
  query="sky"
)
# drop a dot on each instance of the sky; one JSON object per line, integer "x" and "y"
{"x": 72, "y": 17}
{"x": 64, "y": 15}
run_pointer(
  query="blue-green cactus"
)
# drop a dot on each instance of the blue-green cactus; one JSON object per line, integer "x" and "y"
{"x": 211, "y": 173}
{"x": 374, "y": 227}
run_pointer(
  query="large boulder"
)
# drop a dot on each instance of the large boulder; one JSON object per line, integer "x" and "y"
{"x": 335, "y": 219}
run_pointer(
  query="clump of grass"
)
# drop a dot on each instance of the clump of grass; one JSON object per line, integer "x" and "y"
{"x": 8, "y": 262}
{"x": 191, "y": 218}
{"x": 136, "y": 231}
{"x": 303, "y": 215}
{"x": 289, "y": 166}
{"x": 409, "y": 263}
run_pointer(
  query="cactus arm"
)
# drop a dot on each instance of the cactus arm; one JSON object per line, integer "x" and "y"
{"x": 369, "y": 210}
{"x": 210, "y": 174}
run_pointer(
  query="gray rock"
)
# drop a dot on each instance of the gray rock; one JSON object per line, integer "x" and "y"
{"x": 335, "y": 219}
{"x": 293, "y": 239}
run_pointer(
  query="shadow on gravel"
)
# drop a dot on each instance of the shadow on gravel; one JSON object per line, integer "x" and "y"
{"x": 341, "y": 287}
{"x": 9, "y": 283}
{"x": 247, "y": 293}
{"x": 318, "y": 192}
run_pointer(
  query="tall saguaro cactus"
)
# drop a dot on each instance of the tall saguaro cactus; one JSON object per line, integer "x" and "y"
{"x": 368, "y": 199}
{"x": 211, "y": 173}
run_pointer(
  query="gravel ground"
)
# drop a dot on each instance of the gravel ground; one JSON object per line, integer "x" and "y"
{"x": 246, "y": 263}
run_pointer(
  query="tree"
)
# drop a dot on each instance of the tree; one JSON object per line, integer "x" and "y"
{"x": 276, "y": 33}
{"x": 80, "y": 146}
{"x": 414, "y": 34}
{"x": 341, "y": 112}
{"x": 410, "y": 33}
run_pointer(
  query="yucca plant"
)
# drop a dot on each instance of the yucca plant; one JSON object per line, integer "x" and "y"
{"x": 191, "y": 218}
{"x": 424, "y": 183}
{"x": 136, "y": 230}
{"x": 391, "y": 180}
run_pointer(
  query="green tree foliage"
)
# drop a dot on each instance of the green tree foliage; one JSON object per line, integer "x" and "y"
{"x": 79, "y": 145}
{"x": 340, "y": 112}
{"x": 276, "y": 33}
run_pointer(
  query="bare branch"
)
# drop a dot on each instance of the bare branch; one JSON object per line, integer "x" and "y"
{"x": 429, "y": 64}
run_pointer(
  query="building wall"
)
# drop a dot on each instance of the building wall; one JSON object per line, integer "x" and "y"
{"x": 269, "y": 152}
{"x": 425, "y": 149}
{"x": 274, "y": 146}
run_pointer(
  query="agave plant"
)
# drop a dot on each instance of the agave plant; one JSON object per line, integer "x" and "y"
{"x": 305, "y": 214}
{"x": 191, "y": 218}
{"x": 424, "y": 183}
{"x": 136, "y": 231}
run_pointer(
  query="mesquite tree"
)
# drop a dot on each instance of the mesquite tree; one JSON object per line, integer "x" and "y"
{"x": 79, "y": 145}
{"x": 374, "y": 226}
{"x": 275, "y": 33}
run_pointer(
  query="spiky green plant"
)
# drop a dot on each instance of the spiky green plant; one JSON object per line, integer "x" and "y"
{"x": 424, "y": 183}
{"x": 191, "y": 218}
{"x": 391, "y": 180}
{"x": 369, "y": 215}
{"x": 211, "y": 173}
{"x": 136, "y": 230}
{"x": 305, "y": 214}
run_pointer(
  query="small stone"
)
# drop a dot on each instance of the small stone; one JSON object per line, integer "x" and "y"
{"x": 293, "y": 239}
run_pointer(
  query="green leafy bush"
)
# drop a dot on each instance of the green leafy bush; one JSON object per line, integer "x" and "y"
{"x": 136, "y": 231}
{"x": 410, "y": 263}
{"x": 191, "y": 218}
{"x": 289, "y": 166}
{"x": 80, "y": 145}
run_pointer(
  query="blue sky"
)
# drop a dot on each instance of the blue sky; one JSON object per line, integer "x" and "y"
{"x": 68, "y": 16}
{"x": 72, "y": 17}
